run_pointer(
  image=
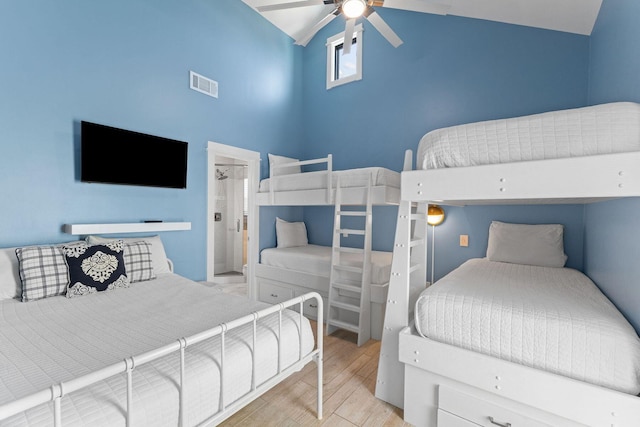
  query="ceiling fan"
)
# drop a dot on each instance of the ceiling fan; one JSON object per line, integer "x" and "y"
{"x": 353, "y": 9}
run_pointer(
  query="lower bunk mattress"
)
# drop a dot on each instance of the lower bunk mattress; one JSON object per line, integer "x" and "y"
{"x": 57, "y": 339}
{"x": 318, "y": 180}
{"x": 553, "y": 319}
{"x": 316, "y": 260}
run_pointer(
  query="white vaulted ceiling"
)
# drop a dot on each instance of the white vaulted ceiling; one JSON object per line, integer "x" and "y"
{"x": 573, "y": 16}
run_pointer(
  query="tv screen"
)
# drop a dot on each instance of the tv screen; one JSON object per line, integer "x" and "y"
{"x": 116, "y": 156}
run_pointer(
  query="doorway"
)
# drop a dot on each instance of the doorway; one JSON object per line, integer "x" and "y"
{"x": 232, "y": 180}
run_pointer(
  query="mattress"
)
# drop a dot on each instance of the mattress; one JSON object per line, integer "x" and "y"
{"x": 56, "y": 339}
{"x": 314, "y": 259}
{"x": 553, "y": 319}
{"x": 318, "y": 179}
{"x": 601, "y": 129}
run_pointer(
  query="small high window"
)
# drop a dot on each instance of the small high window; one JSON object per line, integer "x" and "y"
{"x": 344, "y": 68}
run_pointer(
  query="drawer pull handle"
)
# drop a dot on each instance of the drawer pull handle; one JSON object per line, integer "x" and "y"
{"x": 274, "y": 295}
{"x": 313, "y": 305}
{"x": 493, "y": 421}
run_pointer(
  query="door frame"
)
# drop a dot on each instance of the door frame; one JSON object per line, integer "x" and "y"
{"x": 252, "y": 158}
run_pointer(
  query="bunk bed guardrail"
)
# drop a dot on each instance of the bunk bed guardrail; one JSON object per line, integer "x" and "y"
{"x": 57, "y": 392}
{"x": 329, "y": 172}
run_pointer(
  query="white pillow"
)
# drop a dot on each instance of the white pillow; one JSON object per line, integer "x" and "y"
{"x": 540, "y": 244}
{"x": 290, "y": 234}
{"x": 158, "y": 254}
{"x": 279, "y": 160}
{"x": 10, "y": 286}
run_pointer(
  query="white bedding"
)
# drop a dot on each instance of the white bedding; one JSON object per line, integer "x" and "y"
{"x": 554, "y": 319}
{"x": 316, "y": 260}
{"x": 56, "y": 339}
{"x": 600, "y": 129}
{"x": 348, "y": 178}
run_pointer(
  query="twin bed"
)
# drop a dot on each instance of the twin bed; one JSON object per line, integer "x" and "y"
{"x": 164, "y": 351}
{"x": 513, "y": 343}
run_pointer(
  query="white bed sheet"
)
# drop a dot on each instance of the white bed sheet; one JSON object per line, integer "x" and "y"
{"x": 315, "y": 259}
{"x": 601, "y": 129}
{"x": 348, "y": 178}
{"x": 553, "y": 319}
{"x": 56, "y": 339}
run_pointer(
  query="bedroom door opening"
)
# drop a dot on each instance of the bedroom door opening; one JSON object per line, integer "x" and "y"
{"x": 232, "y": 180}
{"x": 230, "y": 220}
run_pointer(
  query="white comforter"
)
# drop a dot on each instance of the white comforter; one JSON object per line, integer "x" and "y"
{"x": 554, "y": 319}
{"x": 315, "y": 259}
{"x": 56, "y": 339}
{"x": 600, "y": 129}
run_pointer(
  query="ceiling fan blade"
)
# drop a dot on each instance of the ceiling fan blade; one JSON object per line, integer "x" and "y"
{"x": 291, "y": 5}
{"x": 348, "y": 36}
{"x": 424, "y": 6}
{"x": 382, "y": 27}
{"x": 302, "y": 41}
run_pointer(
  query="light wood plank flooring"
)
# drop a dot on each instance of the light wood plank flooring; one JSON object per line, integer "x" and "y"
{"x": 349, "y": 384}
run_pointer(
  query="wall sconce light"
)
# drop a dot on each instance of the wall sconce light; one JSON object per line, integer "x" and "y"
{"x": 435, "y": 216}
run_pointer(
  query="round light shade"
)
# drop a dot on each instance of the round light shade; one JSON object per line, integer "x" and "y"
{"x": 353, "y": 8}
{"x": 435, "y": 215}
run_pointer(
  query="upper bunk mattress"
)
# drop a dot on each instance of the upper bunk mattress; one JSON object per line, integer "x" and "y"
{"x": 601, "y": 129}
{"x": 553, "y": 319}
{"x": 316, "y": 260}
{"x": 56, "y": 339}
{"x": 348, "y": 178}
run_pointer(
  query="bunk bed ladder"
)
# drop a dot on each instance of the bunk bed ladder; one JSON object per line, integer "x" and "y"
{"x": 408, "y": 279}
{"x": 349, "y": 305}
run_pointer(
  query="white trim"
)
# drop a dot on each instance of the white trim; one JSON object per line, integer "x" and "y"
{"x": 252, "y": 158}
{"x": 136, "y": 227}
{"x": 332, "y": 42}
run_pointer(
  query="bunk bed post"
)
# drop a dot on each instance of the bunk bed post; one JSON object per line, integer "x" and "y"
{"x": 408, "y": 161}
{"x": 408, "y": 279}
{"x": 329, "y": 179}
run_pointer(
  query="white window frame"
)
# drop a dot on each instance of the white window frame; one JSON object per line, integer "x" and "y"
{"x": 332, "y": 43}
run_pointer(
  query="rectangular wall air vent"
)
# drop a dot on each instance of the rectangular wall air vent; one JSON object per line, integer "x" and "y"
{"x": 203, "y": 84}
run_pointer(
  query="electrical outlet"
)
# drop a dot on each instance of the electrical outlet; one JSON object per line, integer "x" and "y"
{"x": 464, "y": 240}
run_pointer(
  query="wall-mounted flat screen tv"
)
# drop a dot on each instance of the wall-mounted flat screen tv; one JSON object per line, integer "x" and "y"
{"x": 117, "y": 156}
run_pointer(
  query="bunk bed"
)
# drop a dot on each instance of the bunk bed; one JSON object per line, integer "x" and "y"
{"x": 161, "y": 351}
{"x": 294, "y": 269}
{"x": 579, "y": 156}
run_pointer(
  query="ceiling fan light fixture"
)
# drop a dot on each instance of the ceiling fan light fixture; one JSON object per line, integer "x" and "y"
{"x": 353, "y": 8}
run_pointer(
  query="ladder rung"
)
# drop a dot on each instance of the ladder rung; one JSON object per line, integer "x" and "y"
{"x": 349, "y": 250}
{"x": 352, "y": 213}
{"x": 348, "y": 268}
{"x": 350, "y": 231}
{"x": 344, "y": 325}
{"x": 416, "y": 242}
{"x": 347, "y": 287}
{"x": 418, "y": 216}
{"x": 345, "y": 306}
{"x": 414, "y": 268}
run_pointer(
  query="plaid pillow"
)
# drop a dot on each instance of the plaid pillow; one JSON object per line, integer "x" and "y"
{"x": 137, "y": 261}
{"x": 43, "y": 272}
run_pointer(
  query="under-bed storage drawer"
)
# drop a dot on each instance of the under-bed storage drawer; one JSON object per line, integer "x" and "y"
{"x": 480, "y": 412}
{"x": 274, "y": 294}
{"x": 446, "y": 419}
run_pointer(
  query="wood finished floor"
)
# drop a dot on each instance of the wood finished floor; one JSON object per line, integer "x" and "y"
{"x": 349, "y": 384}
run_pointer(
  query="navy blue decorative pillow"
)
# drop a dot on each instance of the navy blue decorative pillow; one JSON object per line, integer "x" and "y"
{"x": 95, "y": 268}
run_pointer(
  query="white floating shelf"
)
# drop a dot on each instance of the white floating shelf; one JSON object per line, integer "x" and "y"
{"x": 136, "y": 227}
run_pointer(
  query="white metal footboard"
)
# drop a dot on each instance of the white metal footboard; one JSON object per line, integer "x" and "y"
{"x": 57, "y": 392}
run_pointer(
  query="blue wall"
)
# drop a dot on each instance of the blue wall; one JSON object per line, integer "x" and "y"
{"x": 126, "y": 64}
{"x": 612, "y": 229}
{"x": 449, "y": 71}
